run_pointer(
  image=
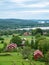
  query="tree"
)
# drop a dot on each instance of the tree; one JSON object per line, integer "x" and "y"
{"x": 4, "y": 47}
{"x": 37, "y": 31}
{"x": 43, "y": 45}
{"x": 32, "y": 43}
{"x": 33, "y": 32}
{"x": 27, "y": 43}
{"x": 17, "y": 40}
{"x": 37, "y": 39}
{"x": 1, "y": 38}
{"x": 38, "y": 35}
{"x": 26, "y": 52}
{"x": 47, "y": 58}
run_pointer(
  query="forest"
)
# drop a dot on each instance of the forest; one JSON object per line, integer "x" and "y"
{"x": 21, "y": 23}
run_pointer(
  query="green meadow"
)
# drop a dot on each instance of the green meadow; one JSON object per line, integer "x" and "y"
{"x": 15, "y": 58}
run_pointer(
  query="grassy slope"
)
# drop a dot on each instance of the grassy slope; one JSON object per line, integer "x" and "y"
{"x": 7, "y": 38}
{"x": 15, "y": 57}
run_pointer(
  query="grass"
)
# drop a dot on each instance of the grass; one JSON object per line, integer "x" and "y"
{"x": 27, "y": 37}
{"x": 1, "y": 46}
{"x": 7, "y": 38}
{"x": 15, "y": 58}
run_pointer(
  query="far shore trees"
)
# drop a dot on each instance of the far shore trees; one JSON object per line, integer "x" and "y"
{"x": 37, "y": 31}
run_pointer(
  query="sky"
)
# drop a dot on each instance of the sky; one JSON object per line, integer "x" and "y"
{"x": 24, "y": 9}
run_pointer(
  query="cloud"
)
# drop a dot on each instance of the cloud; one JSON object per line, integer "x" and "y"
{"x": 38, "y": 5}
{"x": 24, "y": 8}
{"x": 38, "y": 11}
{"x": 25, "y": 14}
{"x": 27, "y": 3}
{"x": 19, "y": 1}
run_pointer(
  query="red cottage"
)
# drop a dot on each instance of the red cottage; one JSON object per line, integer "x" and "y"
{"x": 38, "y": 54}
{"x": 11, "y": 46}
{"x": 26, "y": 34}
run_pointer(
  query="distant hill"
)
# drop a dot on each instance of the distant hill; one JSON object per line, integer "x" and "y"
{"x": 20, "y": 23}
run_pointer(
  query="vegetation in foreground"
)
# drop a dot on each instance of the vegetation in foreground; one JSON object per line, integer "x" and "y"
{"x": 19, "y": 50}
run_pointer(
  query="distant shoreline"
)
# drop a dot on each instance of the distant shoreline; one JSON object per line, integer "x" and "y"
{"x": 43, "y": 28}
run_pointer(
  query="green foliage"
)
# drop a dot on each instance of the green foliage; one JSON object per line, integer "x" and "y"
{"x": 32, "y": 43}
{"x": 1, "y": 38}
{"x": 33, "y": 32}
{"x": 43, "y": 45}
{"x": 38, "y": 35}
{"x": 37, "y": 39}
{"x": 26, "y": 52}
{"x": 4, "y": 47}
{"x": 37, "y": 31}
{"x": 2, "y": 41}
{"x": 47, "y": 58}
{"x": 41, "y": 38}
{"x": 17, "y": 40}
{"x": 27, "y": 43}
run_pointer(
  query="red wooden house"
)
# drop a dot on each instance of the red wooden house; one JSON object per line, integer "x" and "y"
{"x": 11, "y": 46}
{"x": 38, "y": 54}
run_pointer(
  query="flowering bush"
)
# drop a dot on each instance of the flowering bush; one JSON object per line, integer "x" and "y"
{"x": 11, "y": 47}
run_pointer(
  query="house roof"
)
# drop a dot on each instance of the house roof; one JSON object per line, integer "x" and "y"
{"x": 38, "y": 52}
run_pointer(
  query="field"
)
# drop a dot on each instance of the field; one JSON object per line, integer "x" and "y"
{"x": 15, "y": 58}
{"x": 7, "y": 38}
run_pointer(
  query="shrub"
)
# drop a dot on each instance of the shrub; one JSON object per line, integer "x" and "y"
{"x": 1, "y": 38}
{"x": 2, "y": 41}
{"x": 26, "y": 52}
{"x": 17, "y": 40}
{"x": 43, "y": 45}
{"x": 47, "y": 58}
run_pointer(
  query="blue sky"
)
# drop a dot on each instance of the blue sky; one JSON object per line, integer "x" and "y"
{"x": 24, "y": 9}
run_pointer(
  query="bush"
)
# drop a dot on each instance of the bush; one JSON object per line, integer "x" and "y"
{"x": 1, "y": 38}
{"x": 17, "y": 40}
{"x": 2, "y": 41}
{"x": 26, "y": 52}
{"x": 46, "y": 58}
{"x": 37, "y": 31}
{"x": 32, "y": 43}
{"x": 37, "y": 41}
{"x": 43, "y": 45}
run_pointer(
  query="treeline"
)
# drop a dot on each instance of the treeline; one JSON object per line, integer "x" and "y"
{"x": 12, "y": 31}
{"x": 20, "y": 23}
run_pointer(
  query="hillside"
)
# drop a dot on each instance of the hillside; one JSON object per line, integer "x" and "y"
{"x": 20, "y": 23}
